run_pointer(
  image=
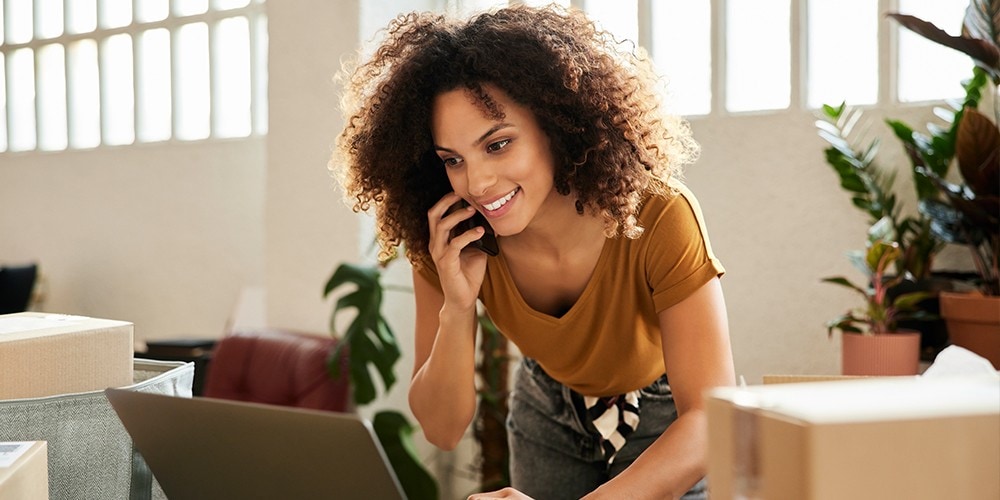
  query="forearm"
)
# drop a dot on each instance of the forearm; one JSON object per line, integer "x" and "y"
{"x": 443, "y": 393}
{"x": 669, "y": 467}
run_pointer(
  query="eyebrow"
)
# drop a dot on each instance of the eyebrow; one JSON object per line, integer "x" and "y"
{"x": 494, "y": 129}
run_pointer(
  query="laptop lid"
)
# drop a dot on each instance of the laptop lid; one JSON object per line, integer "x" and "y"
{"x": 217, "y": 449}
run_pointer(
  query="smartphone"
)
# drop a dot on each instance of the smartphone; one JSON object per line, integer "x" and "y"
{"x": 488, "y": 242}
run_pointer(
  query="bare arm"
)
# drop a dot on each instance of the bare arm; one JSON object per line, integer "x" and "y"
{"x": 442, "y": 392}
{"x": 698, "y": 356}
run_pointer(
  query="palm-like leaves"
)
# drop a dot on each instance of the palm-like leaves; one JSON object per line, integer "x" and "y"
{"x": 852, "y": 156}
{"x": 854, "y": 163}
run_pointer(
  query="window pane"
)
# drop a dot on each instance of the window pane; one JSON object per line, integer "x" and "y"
{"x": 81, "y": 16}
{"x": 21, "y": 96}
{"x": 193, "y": 102}
{"x": 84, "y": 95}
{"x": 260, "y": 74}
{"x": 542, "y": 3}
{"x": 619, "y": 18}
{"x": 50, "y": 18}
{"x": 3, "y": 103}
{"x": 758, "y": 55}
{"x": 232, "y": 77}
{"x": 468, "y": 7}
{"x": 19, "y": 20}
{"x": 842, "y": 68}
{"x": 116, "y": 13}
{"x": 929, "y": 71}
{"x": 147, "y": 11}
{"x": 682, "y": 50}
{"x": 117, "y": 90}
{"x": 190, "y": 7}
{"x": 229, "y": 4}
{"x": 52, "y": 98}
{"x": 153, "y": 85}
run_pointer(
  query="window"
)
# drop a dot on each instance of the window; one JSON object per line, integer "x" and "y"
{"x": 737, "y": 56}
{"x": 85, "y": 73}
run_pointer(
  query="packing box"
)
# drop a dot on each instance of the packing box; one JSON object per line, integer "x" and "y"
{"x": 869, "y": 438}
{"x": 90, "y": 454}
{"x": 49, "y": 354}
{"x": 24, "y": 471}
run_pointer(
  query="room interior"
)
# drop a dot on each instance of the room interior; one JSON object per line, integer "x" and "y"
{"x": 191, "y": 240}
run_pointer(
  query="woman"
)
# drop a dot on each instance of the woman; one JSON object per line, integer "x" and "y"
{"x": 605, "y": 278}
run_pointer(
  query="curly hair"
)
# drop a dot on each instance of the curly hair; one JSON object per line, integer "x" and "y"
{"x": 599, "y": 105}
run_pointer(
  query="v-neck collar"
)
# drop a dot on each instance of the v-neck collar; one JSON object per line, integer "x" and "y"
{"x": 595, "y": 277}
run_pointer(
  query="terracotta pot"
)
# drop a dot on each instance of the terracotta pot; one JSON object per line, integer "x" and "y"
{"x": 896, "y": 353}
{"x": 973, "y": 323}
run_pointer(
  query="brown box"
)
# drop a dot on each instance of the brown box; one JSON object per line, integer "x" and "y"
{"x": 28, "y": 475}
{"x": 798, "y": 379}
{"x": 45, "y": 354}
{"x": 860, "y": 439}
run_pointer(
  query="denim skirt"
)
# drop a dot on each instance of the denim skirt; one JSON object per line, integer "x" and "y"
{"x": 553, "y": 456}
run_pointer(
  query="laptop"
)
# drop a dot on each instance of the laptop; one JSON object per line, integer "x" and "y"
{"x": 217, "y": 449}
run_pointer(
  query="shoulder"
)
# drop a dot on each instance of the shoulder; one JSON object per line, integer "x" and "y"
{"x": 676, "y": 209}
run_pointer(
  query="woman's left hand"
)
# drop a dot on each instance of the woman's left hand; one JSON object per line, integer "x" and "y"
{"x": 504, "y": 493}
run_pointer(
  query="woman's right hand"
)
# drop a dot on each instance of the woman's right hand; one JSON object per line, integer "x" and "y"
{"x": 460, "y": 269}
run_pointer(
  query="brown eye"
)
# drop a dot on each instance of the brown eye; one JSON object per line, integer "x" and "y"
{"x": 497, "y": 146}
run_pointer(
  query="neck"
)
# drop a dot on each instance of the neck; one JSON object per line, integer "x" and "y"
{"x": 560, "y": 232}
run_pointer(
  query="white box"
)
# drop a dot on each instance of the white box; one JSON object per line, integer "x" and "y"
{"x": 24, "y": 472}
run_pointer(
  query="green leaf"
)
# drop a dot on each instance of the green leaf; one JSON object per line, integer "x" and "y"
{"x": 395, "y": 434}
{"x": 362, "y": 276}
{"x": 909, "y": 301}
{"x": 838, "y": 280}
{"x": 368, "y": 337}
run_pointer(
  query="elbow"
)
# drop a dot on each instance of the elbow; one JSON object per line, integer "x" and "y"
{"x": 441, "y": 429}
{"x": 445, "y": 435}
{"x": 444, "y": 441}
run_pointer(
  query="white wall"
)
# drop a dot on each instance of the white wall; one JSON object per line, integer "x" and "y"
{"x": 164, "y": 236}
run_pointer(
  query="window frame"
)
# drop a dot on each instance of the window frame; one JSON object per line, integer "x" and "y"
{"x": 255, "y": 14}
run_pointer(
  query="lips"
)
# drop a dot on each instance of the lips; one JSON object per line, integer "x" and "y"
{"x": 500, "y": 202}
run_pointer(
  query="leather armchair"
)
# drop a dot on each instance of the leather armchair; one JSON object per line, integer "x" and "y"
{"x": 277, "y": 367}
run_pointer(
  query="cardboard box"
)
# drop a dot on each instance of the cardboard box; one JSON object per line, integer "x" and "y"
{"x": 872, "y": 438}
{"x": 798, "y": 379}
{"x": 24, "y": 471}
{"x": 50, "y": 354}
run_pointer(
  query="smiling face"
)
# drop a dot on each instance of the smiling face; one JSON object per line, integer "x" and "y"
{"x": 503, "y": 167}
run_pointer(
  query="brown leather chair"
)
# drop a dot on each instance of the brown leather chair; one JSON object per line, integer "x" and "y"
{"x": 277, "y": 367}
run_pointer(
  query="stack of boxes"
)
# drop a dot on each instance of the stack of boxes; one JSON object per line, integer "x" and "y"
{"x": 53, "y": 371}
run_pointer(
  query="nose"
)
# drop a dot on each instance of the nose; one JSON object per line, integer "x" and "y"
{"x": 480, "y": 178}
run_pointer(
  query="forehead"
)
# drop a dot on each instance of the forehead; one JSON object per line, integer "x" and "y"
{"x": 461, "y": 112}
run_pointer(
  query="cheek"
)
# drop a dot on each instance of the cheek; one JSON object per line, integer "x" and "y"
{"x": 457, "y": 181}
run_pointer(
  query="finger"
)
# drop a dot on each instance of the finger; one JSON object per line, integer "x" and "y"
{"x": 439, "y": 209}
{"x": 463, "y": 240}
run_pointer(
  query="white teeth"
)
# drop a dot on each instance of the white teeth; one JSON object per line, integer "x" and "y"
{"x": 501, "y": 202}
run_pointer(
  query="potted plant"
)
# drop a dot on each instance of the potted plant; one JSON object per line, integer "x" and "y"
{"x": 923, "y": 235}
{"x": 872, "y": 343}
{"x": 371, "y": 344}
{"x": 968, "y": 212}
{"x": 373, "y": 348}
{"x": 852, "y": 156}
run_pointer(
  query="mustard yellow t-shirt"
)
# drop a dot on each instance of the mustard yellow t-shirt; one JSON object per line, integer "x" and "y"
{"x": 609, "y": 342}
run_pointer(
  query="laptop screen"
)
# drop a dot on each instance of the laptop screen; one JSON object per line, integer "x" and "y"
{"x": 215, "y": 449}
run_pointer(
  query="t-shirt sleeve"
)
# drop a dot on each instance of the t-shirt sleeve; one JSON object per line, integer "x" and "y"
{"x": 679, "y": 258}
